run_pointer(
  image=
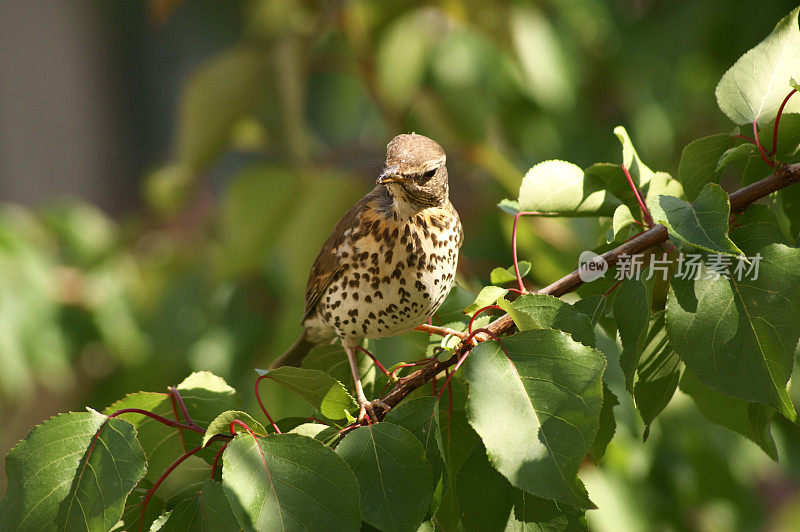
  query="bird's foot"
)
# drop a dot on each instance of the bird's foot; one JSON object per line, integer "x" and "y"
{"x": 368, "y": 413}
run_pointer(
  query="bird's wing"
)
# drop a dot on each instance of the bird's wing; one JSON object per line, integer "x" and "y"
{"x": 328, "y": 263}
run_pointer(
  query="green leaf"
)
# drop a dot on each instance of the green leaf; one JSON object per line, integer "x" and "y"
{"x": 640, "y": 173}
{"x": 73, "y": 472}
{"x": 700, "y": 162}
{"x": 218, "y": 94}
{"x": 739, "y": 335}
{"x": 487, "y": 296}
{"x": 658, "y": 372}
{"x": 607, "y": 426}
{"x": 393, "y": 477}
{"x": 536, "y": 409}
{"x": 506, "y": 275}
{"x": 162, "y": 444}
{"x": 420, "y": 417}
{"x": 206, "y": 396}
{"x": 741, "y": 151}
{"x": 222, "y": 425}
{"x": 208, "y": 511}
{"x": 593, "y": 306}
{"x": 509, "y": 206}
{"x": 622, "y": 219}
{"x": 751, "y": 420}
{"x": 788, "y": 136}
{"x": 325, "y": 393}
{"x": 489, "y": 502}
{"x": 332, "y": 359}
{"x": 561, "y": 187}
{"x": 458, "y": 439}
{"x": 318, "y": 431}
{"x": 789, "y": 198}
{"x": 754, "y": 87}
{"x": 289, "y": 482}
{"x": 702, "y": 223}
{"x": 540, "y": 311}
{"x": 632, "y": 313}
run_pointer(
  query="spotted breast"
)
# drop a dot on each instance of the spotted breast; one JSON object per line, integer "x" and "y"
{"x": 395, "y": 269}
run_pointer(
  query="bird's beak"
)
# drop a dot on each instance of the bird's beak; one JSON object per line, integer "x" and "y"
{"x": 389, "y": 175}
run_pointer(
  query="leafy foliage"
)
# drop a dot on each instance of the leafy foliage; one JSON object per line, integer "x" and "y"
{"x": 498, "y": 439}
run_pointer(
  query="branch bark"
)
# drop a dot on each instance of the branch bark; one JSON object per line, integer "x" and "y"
{"x": 740, "y": 200}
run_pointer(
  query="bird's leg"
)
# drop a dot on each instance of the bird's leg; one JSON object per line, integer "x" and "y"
{"x": 441, "y": 331}
{"x": 367, "y": 406}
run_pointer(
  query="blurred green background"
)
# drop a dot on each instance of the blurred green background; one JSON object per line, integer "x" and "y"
{"x": 169, "y": 170}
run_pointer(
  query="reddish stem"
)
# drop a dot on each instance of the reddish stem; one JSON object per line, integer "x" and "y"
{"x": 608, "y": 292}
{"x": 777, "y": 120}
{"x": 216, "y": 459}
{"x": 374, "y": 360}
{"x": 645, "y": 212}
{"x": 169, "y": 470}
{"x": 163, "y": 420}
{"x": 177, "y": 418}
{"x": 261, "y": 404}
{"x": 745, "y": 137}
{"x": 472, "y": 320}
{"x": 176, "y": 397}
{"x": 761, "y": 151}
{"x": 514, "y": 252}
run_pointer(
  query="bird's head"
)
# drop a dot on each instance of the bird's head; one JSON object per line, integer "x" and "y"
{"x": 415, "y": 170}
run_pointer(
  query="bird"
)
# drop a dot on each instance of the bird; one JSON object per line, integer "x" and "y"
{"x": 389, "y": 262}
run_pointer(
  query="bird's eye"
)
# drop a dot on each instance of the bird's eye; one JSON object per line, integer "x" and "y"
{"x": 429, "y": 174}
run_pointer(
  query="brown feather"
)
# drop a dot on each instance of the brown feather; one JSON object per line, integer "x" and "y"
{"x": 328, "y": 264}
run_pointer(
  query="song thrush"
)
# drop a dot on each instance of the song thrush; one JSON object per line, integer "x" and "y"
{"x": 390, "y": 261}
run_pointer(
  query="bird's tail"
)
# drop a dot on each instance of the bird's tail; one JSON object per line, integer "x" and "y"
{"x": 296, "y": 353}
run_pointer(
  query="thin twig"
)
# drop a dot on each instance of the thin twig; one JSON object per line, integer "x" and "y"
{"x": 761, "y": 152}
{"x": 777, "y": 121}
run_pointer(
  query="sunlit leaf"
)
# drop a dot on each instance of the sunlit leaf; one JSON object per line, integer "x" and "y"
{"x": 325, "y": 393}
{"x": 739, "y": 334}
{"x": 536, "y": 409}
{"x": 754, "y": 87}
{"x": 702, "y": 223}
{"x": 540, "y": 311}
{"x": 289, "y": 482}
{"x": 506, "y": 275}
{"x": 222, "y": 425}
{"x": 73, "y": 472}
{"x": 487, "y": 296}
{"x": 561, "y": 187}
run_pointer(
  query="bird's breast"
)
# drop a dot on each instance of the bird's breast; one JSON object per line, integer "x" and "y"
{"x": 394, "y": 273}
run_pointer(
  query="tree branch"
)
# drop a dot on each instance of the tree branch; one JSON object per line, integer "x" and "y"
{"x": 740, "y": 200}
